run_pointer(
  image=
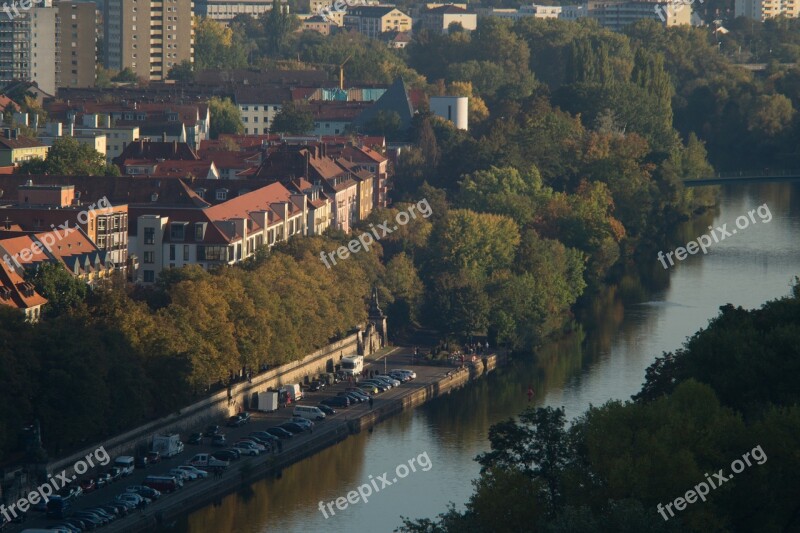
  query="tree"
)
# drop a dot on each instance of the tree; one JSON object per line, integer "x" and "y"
{"x": 278, "y": 26}
{"x": 183, "y": 72}
{"x": 385, "y": 123}
{"x": 62, "y": 290}
{"x": 69, "y": 157}
{"x": 125, "y": 75}
{"x": 217, "y": 47}
{"x": 225, "y": 117}
{"x": 294, "y": 118}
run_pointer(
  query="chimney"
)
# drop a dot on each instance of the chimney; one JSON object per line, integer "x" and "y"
{"x": 7, "y": 223}
{"x": 164, "y": 137}
{"x": 174, "y": 147}
{"x": 71, "y": 129}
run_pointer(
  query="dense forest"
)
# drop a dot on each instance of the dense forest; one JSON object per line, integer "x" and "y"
{"x": 730, "y": 389}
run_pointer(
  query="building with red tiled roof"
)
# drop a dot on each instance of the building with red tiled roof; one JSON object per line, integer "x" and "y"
{"x": 212, "y": 235}
{"x": 8, "y": 103}
{"x": 16, "y": 149}
{"x": 17, "y": 293}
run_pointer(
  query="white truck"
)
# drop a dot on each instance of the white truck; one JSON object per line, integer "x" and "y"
{"x": 268, "y": 401}
{"x": 353, "y": 366}
{"x": 167, "y": 445}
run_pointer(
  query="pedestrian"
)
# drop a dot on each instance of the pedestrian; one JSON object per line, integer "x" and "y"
{"x": 370, "y": 402}
{"x": 530, "y": 393}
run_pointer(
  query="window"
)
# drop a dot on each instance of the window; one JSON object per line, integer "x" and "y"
{"x": 149, "y": 235}
{"x": 198, "y": 232}
{"x": 177, "y": 231}
{"x": 222, "y": 194}
{"x": 172, "y": 252}
{"x": 149, "y": 276}
{"x": 185, "y": 252}
{"x": 149, "y": 258}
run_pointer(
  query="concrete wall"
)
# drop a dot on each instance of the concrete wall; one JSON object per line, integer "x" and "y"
{"x": 218, "y": 406}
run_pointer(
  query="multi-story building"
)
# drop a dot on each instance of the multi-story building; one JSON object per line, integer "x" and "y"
{"x": 210, "y": 236}
{"x": 438, "y": 19}
{"x": 16, "y": 149}
{"x": 53, "y": 45}
{"x": 259, "y": 106}
{"x": 42, "y": 207}
{"x": 148, "y": 37}
{"x": 372, "y": 21}
{"x": 617, "y": 15}
{"x": 765, "y": 9}
{"x": 225, "y": 10}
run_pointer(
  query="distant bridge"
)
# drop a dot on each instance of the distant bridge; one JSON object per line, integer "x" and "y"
{"x": 745, "y": 176}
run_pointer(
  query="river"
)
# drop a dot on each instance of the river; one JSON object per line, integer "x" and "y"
{"x": 630, "y": 324}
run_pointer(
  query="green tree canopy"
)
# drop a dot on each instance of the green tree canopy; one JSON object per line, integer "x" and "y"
{"x": 294, "y": 118}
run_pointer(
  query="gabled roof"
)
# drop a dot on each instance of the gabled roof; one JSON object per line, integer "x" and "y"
{"x": 247, "y": 95}
{"x": 395, "y": 99}
{"x": 20, "y": 142}
{"x": 15, "y": 291}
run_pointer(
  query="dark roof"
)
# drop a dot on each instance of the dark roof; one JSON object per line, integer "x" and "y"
{"x": 394, "y": 99}
{"x": 20, "y": 142}
{"x": 447, "y": 9}
{"x": 370, "y": 11}
{"x": 262, "y": 95}
{"x": 257, "y": 77}
{"x": 153, "y": 151}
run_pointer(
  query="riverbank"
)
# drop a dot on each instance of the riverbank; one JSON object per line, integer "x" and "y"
{"x": 432, "y": 382}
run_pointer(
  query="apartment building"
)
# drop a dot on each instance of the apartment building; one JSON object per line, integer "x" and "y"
{"x": 438, "y": 19}
{"x": 765, "y": 9}
{"x": 372, "y": 21}
{"x": 149, "y": 37}
{"x": 225, "y": 10}
{"x": 51, "y": 44}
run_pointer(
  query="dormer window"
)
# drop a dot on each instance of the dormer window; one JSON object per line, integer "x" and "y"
{"x": 222, "y": 194}
{"x": 201, "y": 192}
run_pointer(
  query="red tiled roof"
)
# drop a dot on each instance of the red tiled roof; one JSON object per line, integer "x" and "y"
{"x": 15, "y": 291}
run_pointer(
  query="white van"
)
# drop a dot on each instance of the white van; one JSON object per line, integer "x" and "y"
{"x": 126, "y": 464}
{"x": 309, "y": 412}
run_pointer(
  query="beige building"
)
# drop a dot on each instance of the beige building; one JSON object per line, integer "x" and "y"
{"x": 765, "y": 9}
{"x": 438, "y": 19}
{"x": 372, "y": 21}
{"x": 148, "y": 37}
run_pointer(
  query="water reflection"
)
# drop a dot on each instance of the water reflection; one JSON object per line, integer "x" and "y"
{"x": 624, "y": 328}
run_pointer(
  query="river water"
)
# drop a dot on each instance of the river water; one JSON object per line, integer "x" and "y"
{"x": 627, "y": 327}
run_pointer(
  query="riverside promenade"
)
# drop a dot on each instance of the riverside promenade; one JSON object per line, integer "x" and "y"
{"x": 431, "y": 382}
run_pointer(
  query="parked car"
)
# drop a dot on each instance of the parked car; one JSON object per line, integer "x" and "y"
{"x": 195, "y": 438}
{"x": 144, "y": 491}
{"x": 230, "y": 454}
{"x": 388, "y": 379}
{"x": 212, "y": 431}
{"x": 337, "y": 401}
{"x": 132, "y": 497}
{"x": 354, "y": 398}
{"x": 201, "y": 474}
{"x": 121, "y": 508}
{"x": 88, "y": 485}
{"x": 410, "y": 373}
{"x": 247, "y": 448}
{"x": 153, "y": 457}
{"x": 358, "y": 392}
{"x": 102, "y": 513}
{"x": 292, "y": 427}
{"x": 267, "y": 437}
{"x": 302, "y": 422}
{"x": 219, "y": 440}
{"x": 379, "y": 384}
{"x": 70, "y": 491}
{"x": 368, "y": 388}
{"x": 234, "y": 422}
{"x": 279, "y": 432}
{"x": 115, "y": 473}
{"x": 163, "y": 484}
{"x": 182, "y": 474}
{"x": 328, "y": 410}
{"x": 103, "y": 479}
{"x": 91, "y": 518}
{"x": 245, "y": 416}
{"x": 316, "y": 385}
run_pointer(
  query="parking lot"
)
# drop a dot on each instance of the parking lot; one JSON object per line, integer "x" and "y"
{"x": 399, "y": 358}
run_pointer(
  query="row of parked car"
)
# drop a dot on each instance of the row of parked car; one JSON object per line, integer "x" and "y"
{"x": 134, "y": 497}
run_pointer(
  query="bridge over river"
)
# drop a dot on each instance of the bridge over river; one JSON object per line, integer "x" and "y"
{"x": 745, "y": 176}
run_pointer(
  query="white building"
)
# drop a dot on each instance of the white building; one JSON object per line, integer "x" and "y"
{"x": 453, "y": 108}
